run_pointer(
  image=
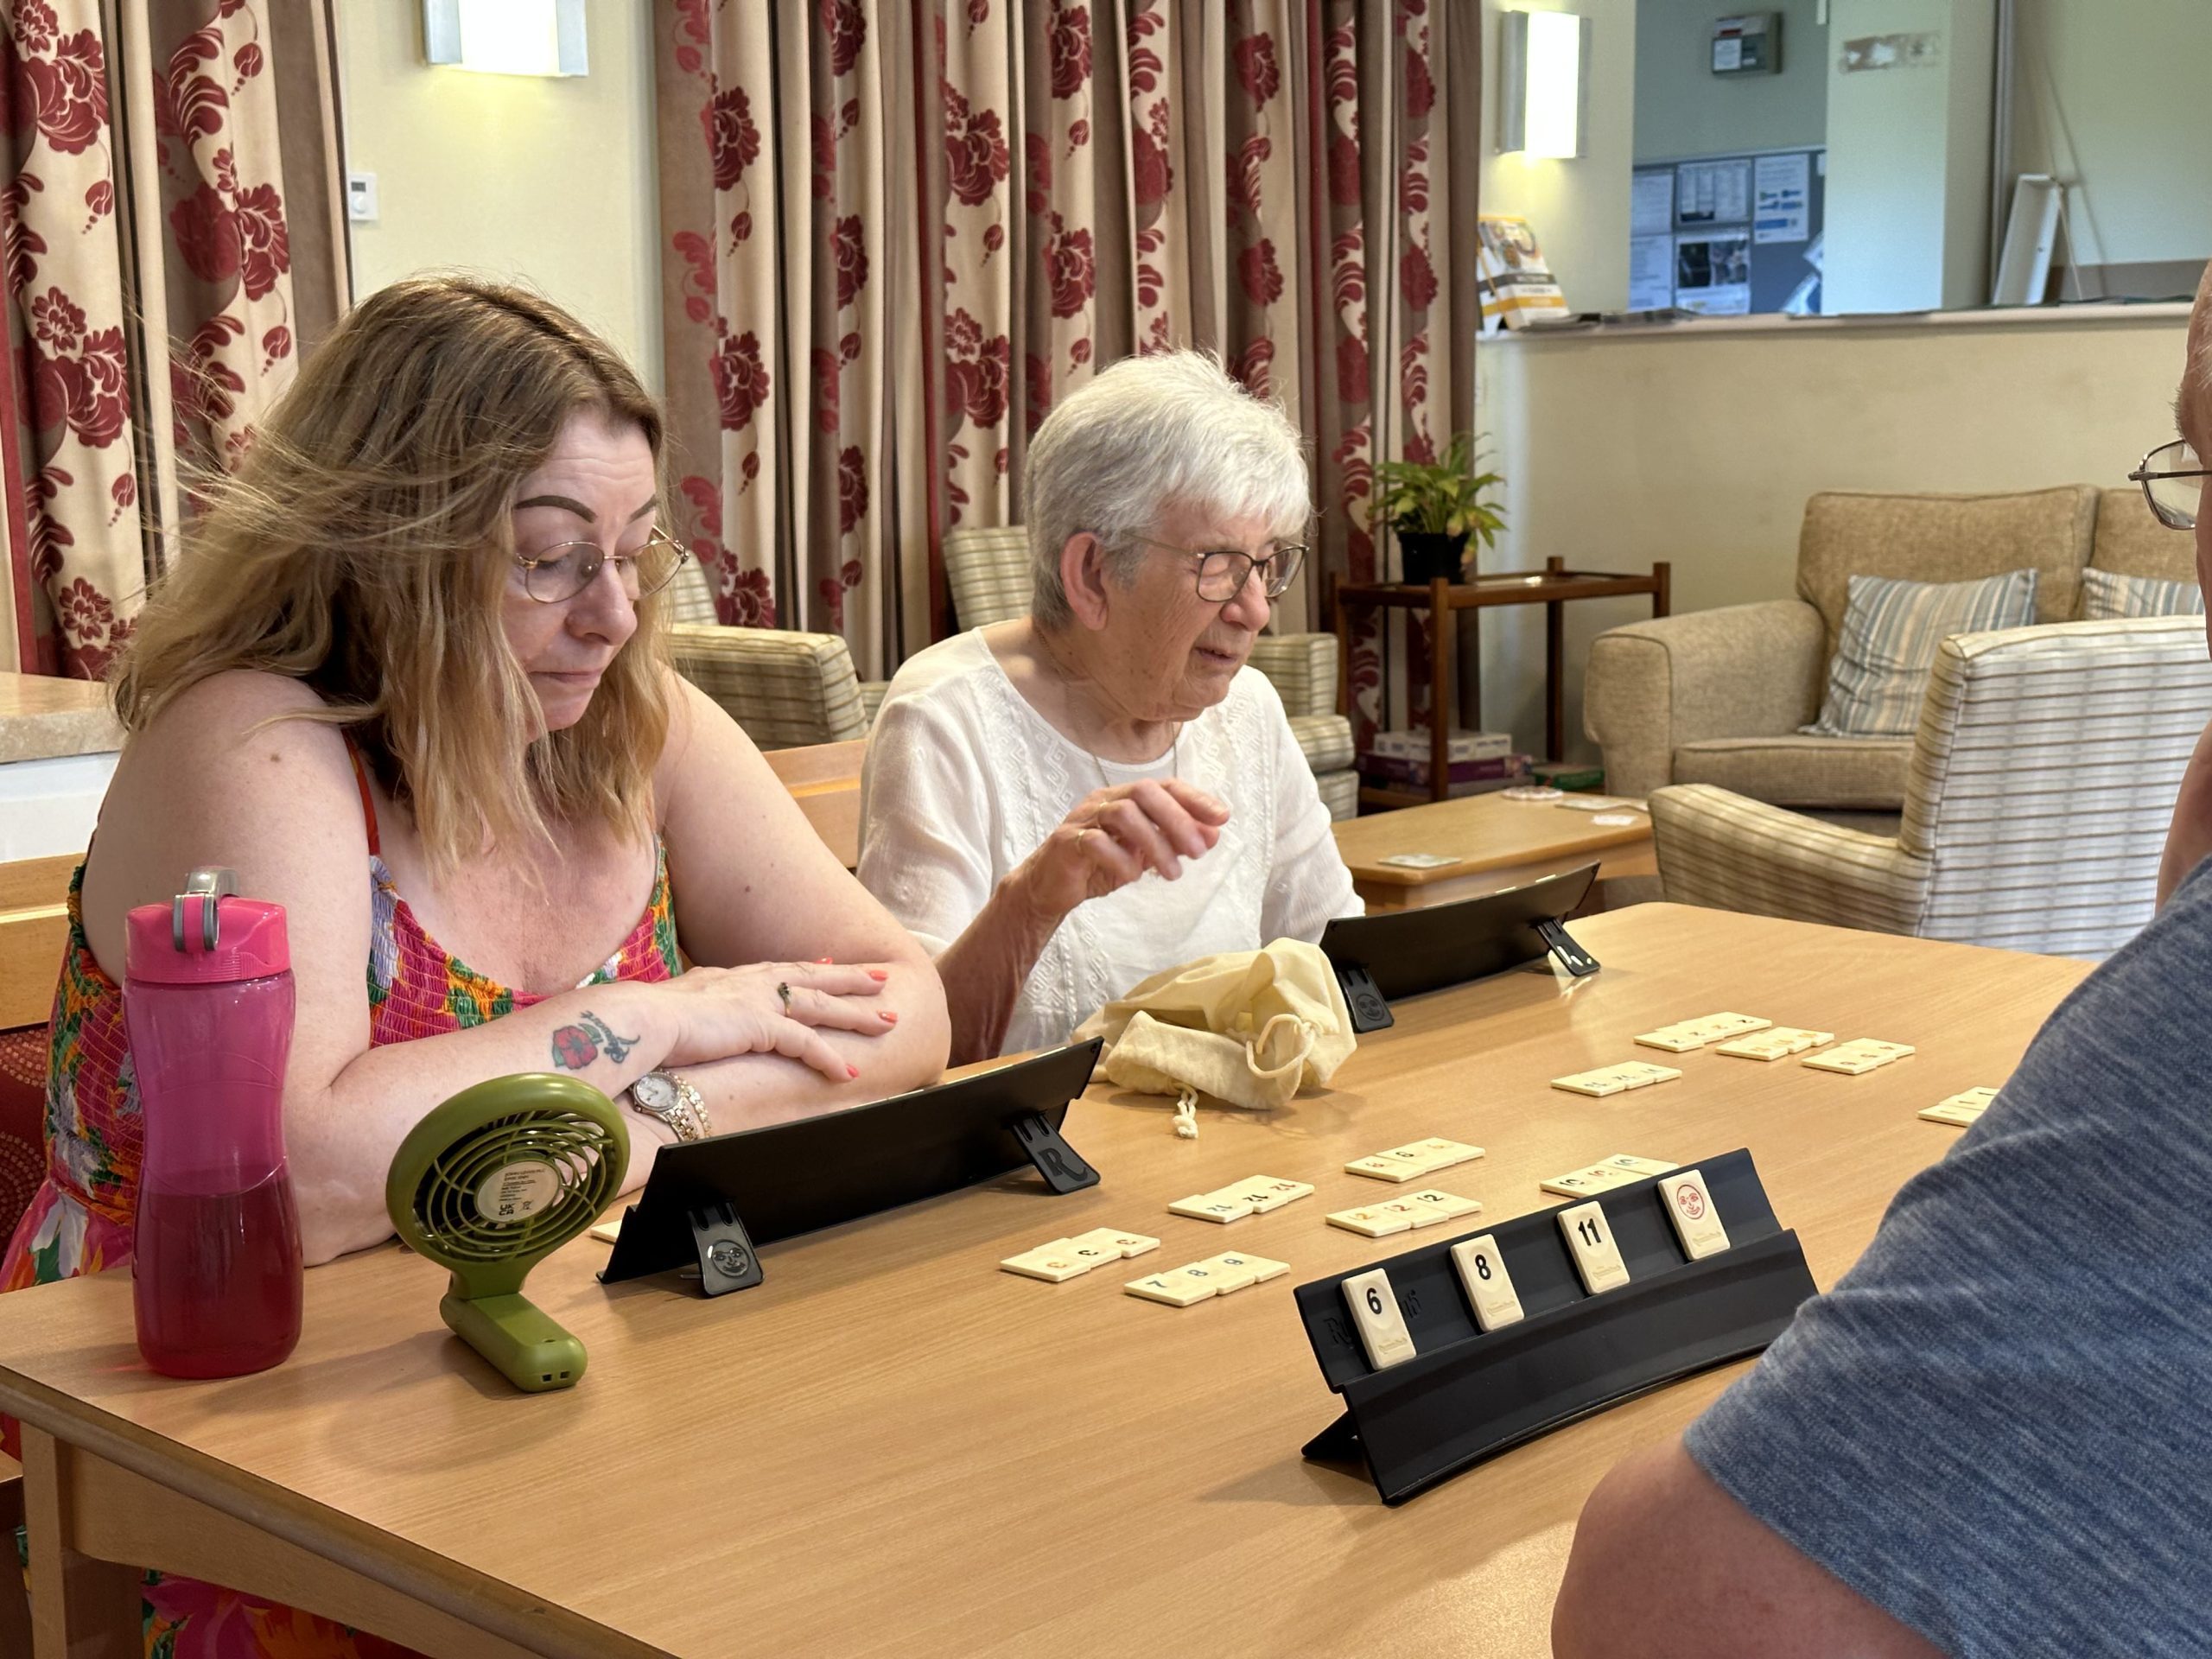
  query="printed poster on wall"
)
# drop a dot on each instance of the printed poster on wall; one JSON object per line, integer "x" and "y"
{"x": 1781, "y": 198}
{"x": 1712, "y": 193}
{"x": 1650, "y": 273}
{"x": 1652, "y": 205}
{"x": 1712, "y": 273}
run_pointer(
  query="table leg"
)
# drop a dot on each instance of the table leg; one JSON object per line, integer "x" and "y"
{"x": 1439, "y": 676}
{"x": 1554, "y": 662}
{"x": 81, "y": 1607}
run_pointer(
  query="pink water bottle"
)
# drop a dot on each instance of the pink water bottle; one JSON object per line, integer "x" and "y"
{"x": 208, "y": 998}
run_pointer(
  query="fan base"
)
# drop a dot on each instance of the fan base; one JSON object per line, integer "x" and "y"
{"x": 522, "y": 1343}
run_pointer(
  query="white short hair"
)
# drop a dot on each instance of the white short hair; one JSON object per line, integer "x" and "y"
{"x": 1169, "y": 429}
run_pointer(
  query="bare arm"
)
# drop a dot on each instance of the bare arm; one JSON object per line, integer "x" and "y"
{"x": 278, "y": 804}
{"x": 1111, "y": 838}
{"x": 753, "y": 883}
{"x": 1667, "y": 1566}
{"x": 2191, "y": 837}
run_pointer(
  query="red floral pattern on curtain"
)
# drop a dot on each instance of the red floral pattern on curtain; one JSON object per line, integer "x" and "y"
{"x": 135, "y": 345}
{"x": 1051, "y": 160}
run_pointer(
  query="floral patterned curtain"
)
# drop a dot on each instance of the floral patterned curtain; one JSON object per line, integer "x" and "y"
{"x": 167, "y": 259}
{"x": 1268, "y": 178}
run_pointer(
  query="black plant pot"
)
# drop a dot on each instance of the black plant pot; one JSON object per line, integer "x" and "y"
{"x": 1426, "y": 555}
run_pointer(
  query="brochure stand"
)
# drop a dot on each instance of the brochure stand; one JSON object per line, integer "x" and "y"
{"x": 1469, "y": 1393}
{"x": 710, "y": 1203}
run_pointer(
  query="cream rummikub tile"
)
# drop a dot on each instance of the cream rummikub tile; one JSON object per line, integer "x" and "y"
{"x": 1636, "y": 1167}
{"x": 1231, "y": 1272}
{"x": 1209, "y": 1206}
{"x": 1382, "y": 1168}
{"x": 1265, "y": 1192}
{"x": 1416, "y": 1213}
{"x": 1858, "y": 1056}
{"x": 1603, "y": 1081}
{"x": 1955, "y": 1111}
{"x": 1238, "y": 1270}
{"x": 1122, "y": 1244}
{"x": 1371, "y": 1221}
{"x": 1173, "y": 1287}
{"x": 1590, "y": 1241}
{"x": 1449, "y": 1206}
{"x": 1675, "y": 1039}
{"x": 1375, "y": 1315}
{"x": 1642, "y": 1074}
{"x": 1056, "y": 1262}
{"x": 1689, "y": 1206}
{"x": 1777, "y": 1043}
{"x": 1581, "y": 1183}
{"x": 1415, "y": 1157}
{"x": 1443, "y": 1153}
{"x": 1489, "y": 1287}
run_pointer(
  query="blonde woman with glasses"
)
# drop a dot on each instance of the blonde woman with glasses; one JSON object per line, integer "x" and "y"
{"x": 1060, "y": 805}
{"x": 408, "y": 680}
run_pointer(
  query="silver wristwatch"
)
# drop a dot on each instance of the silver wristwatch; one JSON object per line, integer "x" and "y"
{"x": 667, "y": 1096}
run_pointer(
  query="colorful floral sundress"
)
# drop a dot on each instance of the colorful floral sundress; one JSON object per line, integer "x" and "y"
{"x": 79, "y": 1222}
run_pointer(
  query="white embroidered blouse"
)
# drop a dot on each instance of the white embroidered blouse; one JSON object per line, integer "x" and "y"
{"x": 964, "y": 781}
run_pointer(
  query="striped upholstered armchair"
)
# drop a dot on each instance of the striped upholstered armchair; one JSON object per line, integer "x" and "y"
{"x": 989, "y": 570}
{"x": 2041, "y": 784}
{"x": 786, "y": 689}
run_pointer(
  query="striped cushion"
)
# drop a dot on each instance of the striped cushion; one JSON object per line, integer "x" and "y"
{"x": 989, "y": 570}
{"x": 1339, "y": 792}
{"x": 1324, "y": 739}
{"x": 784, "y": 688}
{"x": 1302, "y": 667}
{"x": 1892, "y": 631}
{"x": 2107, "y": 594}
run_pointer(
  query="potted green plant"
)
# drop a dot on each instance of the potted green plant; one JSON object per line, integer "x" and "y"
{"x": 1434, "y": 506}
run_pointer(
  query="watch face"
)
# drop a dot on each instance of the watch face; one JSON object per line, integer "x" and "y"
{"x": 656, "y": 1093}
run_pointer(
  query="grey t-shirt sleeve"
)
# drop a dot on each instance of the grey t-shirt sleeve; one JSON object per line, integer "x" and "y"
{"x": 1994, "y": 1427}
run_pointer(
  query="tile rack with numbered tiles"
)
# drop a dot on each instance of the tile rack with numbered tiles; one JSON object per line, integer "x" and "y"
{"x": 1469, "y": 1395}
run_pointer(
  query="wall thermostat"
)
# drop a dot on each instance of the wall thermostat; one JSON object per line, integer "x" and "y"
{"x": 1749, "y": 45}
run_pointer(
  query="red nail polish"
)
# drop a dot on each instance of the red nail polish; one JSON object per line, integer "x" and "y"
{"x": 823, "y": 962}
{"x": 852, "y": 1070}
{"x": 878, "y": 975}
{"x": 887, "y": 1017}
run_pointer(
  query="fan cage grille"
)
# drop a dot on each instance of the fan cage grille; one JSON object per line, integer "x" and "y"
{"x": 575, "y": 1147}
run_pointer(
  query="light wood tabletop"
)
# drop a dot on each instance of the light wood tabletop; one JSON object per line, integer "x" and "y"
{"x": 1491, "y": 844}
{"x": 891, "y": 1446}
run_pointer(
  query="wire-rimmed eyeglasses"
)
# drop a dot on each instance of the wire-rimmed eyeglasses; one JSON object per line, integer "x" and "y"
{"x": 562, "y": 572}
{"x": 2171, "y": 478}
{"x": 1223, "y": 572}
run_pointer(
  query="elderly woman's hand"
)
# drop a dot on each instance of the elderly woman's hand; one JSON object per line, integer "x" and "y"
{"x": 1114, "y": 836}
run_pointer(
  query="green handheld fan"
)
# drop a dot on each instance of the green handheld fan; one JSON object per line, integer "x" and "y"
{"x": 488, "y": 1186}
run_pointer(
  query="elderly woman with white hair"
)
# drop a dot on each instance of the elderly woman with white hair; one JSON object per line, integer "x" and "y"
{"x": 1059, "y": 806}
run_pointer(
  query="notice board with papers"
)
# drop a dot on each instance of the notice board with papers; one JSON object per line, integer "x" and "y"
{"x": 1729, "y": 235}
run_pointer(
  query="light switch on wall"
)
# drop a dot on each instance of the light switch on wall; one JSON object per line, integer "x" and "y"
{"x": 361, "y": 197}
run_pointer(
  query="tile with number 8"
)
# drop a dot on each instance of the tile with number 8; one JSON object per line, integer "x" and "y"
{"x": 1489, "y": 1287}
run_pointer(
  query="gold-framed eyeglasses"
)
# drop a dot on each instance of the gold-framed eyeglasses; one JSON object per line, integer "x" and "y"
{"x": 2171, "y": 477}
{"x": 1223, "y": 572}
{"x": 562, "y": 571}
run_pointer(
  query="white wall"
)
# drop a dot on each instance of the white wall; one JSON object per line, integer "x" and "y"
{"x": 551, "y": 183}
{"x": 2113, "y": 99}
{"x": 1579, "y": 209}
{"x": 1621, "y": 448}
{"x": 1908, "y": 179}
{"x": 1683, "y": 109}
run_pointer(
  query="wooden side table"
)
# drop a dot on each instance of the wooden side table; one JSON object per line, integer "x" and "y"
{"x": 1552, "y": 587}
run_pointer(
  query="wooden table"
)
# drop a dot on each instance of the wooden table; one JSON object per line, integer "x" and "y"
{"x": 893, "y": 1447}
{"x": 1493, "y": 843}
{"x": 1554, "y": 587}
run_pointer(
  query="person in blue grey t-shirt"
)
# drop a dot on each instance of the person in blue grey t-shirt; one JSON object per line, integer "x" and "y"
{"x": 1991, "y": 1437}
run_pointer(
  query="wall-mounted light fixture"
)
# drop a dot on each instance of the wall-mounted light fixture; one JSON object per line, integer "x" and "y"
{"x": 505, "y": 37}
{"x": 1543, "y": 82}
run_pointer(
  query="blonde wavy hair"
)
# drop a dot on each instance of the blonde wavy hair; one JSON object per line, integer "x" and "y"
{"x": 363, "y": 544}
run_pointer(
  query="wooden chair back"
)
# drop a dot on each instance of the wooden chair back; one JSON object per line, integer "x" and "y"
{"x": 824, "y": 778}
{"x": 34, "y": 932}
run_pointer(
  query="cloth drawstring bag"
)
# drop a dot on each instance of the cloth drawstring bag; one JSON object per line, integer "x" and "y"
{"x": 1249, "y": 1028}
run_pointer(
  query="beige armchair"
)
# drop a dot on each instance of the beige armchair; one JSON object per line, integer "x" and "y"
{"x": 1716, "y": 696}
{"x": 989, "y": 571}
{"x": 2038, "y": 791}
{"x": 787, "y": 689}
